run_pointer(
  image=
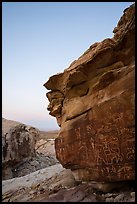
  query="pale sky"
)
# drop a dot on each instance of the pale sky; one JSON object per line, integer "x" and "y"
{"x": 40, "y": 39}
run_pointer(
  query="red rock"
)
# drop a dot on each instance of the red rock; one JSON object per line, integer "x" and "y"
{"x": 93, "y": 102}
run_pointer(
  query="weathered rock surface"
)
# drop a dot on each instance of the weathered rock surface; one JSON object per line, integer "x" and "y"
{"x": 40, "y": 154}
{"x": 44, "y": 156}
{"x": 45, "y": 147}
{"x": 56, "y": 184}
{"x": 93, "y": 102}
{"x": 37, "y": 185}
{"x": 32, "y": 164}
{"x": 18, "y": 143}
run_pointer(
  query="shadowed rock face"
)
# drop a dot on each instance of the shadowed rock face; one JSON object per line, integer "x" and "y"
{"x": 18, "y": 143}
{"x": 93, "y": 102}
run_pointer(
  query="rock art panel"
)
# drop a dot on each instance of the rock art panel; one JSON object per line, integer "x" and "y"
{"x": 93, "y": 102}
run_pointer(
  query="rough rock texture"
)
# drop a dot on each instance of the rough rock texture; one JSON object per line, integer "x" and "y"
{"x": 93, "y": 102}
{"x": 18, "y": 143}
{"x": 45, "y": 147}
{"x": 32, "y": 164}
{"x": 37, "y": 185}
{"x": 44, "y": 156}
{"x": 56, "y": 184}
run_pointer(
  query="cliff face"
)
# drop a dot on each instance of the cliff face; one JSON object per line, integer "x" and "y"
{"x": 93, "y": 102}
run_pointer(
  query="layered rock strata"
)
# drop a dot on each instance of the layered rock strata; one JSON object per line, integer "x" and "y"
{"x": 93, "y": 102}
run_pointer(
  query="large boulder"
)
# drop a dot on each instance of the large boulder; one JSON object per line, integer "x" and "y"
{"x": 93, "y": 102}
{"x": 18, "y": 143}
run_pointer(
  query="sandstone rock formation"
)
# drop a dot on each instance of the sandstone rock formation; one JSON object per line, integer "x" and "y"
{"x": 93, "y": 102}
{"x": 18, "y": 143}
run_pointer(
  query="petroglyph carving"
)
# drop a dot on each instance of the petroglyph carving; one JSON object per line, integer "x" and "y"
{"x": 77, "y": 131}
{"x": 83, "y": 153}
{"x": 97, "y": 128}
{"x": 130, "y": 115}
{"x": 125, "y": 172}
{"x": 90, "y": 130}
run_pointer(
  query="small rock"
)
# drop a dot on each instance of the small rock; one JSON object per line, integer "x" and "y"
{"x": 132, "y": 194}
{"x": 32, "y": 192}
{"x": 119, "y": 198}
{"x": 132, "y": 200}
{"x": 108, "y": 195}
{"x": 111, "y": 199}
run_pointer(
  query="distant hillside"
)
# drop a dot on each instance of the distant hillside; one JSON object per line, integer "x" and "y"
{"x": 7, "y": 124}
{"x": 48, "y": 134}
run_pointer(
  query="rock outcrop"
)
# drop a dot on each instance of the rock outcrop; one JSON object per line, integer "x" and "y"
{"x": 37, "y": 186}
{"x": 56, "y": 184}
{"x": 44, "y": 157}
{"x": 93, "y": 102}
{"x": 18, "y": 143}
